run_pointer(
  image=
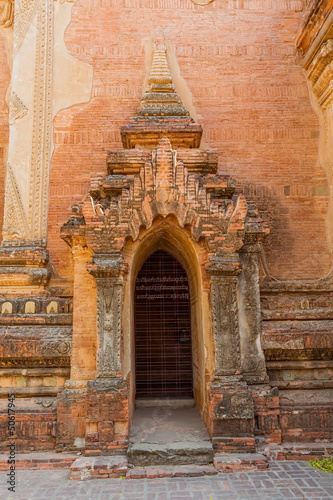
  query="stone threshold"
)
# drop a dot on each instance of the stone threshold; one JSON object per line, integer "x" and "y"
{"x": 176, "y": 453}
{"x": 118, "y": 467}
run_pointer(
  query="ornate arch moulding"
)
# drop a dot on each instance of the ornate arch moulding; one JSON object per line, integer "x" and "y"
{"x": 162, "y": 173}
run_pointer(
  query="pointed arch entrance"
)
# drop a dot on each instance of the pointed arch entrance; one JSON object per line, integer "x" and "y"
{"x": 162, "y": 319}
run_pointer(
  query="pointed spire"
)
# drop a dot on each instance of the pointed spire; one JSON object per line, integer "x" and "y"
{"x": 160, "y": 98}
{"x": 161, "y": 112}
{"x": 160, "y": 73}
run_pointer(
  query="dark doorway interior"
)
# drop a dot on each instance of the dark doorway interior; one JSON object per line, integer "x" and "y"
{"x": 163, "y": 352}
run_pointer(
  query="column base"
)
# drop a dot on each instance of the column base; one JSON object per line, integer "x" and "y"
{"x": 71, "y": 419}
{"x": 231, "y": 413}
{"x": 107, "y": 416}
{"x": 267, "y": 413}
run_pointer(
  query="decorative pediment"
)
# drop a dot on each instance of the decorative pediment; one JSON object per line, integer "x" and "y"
{"x": 162, "y": 173}
{"x": 161, "y": 113}
{"x": 119, "y": 205}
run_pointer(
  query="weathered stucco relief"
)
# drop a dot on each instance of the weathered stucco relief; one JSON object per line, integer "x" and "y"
{"x": 322, "y": 99}
{"x": 45, "y": 79}
{"x": 315, "y": 40}
{"x": 6, "y": 29}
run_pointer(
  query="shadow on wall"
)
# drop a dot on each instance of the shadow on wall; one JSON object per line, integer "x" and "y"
{"x": 272, "y": 210}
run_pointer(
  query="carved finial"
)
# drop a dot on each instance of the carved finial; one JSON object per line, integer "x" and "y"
{"x": 161, "y": 112}
{"x": 160, "y": 75}
{"x": 160, "y": 98}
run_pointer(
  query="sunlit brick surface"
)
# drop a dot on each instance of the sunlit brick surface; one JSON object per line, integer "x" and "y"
{"x": 240, "y": 64}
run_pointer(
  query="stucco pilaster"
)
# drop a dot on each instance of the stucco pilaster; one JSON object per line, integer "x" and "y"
{"x": 252, "y": 355}
{"x": 106, "y": 270}
{"x": 37, "y": 94}
{"x": 224, "y": 282}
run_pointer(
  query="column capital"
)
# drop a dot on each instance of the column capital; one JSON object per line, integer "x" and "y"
{"x": 107, "y": 266}
{"x": 224, "y": 265}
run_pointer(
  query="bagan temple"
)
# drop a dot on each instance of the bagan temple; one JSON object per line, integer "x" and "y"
{"x": 166, "y": 179}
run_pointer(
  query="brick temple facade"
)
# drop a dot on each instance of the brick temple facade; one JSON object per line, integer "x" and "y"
{"x": 167, "y": 219}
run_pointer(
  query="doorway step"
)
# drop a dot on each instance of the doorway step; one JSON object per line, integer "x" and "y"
{"x": 167, "y": 439}
{"x": 168, "y": 434}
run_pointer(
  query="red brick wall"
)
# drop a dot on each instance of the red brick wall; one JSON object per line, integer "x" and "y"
{"x": 240, "y": 63}
{"x": 4, "y": 126}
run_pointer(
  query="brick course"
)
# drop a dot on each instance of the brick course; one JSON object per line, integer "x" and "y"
{"x": 250, "y": 96}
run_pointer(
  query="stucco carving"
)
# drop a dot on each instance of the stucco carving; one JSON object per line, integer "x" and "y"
{"x": 56, "y": 361}
{"x": 15, "y": 219}
{"x": 109, "y": 294}
{"x": 161, "y": 183}
{"x": 253, "y": 359}
{"x": 225, "y": 326}
{"x": 17, "y": 108}
{"x": 39, "y": 51}
{"x": 320, "y": 74}
{"x": 45, "y": 402}
{"x": 316, "y": 42}
{"x": 6, "y": 13}
{"x": 41, "y": 133}
{"x": 56, "y": 347}
{"x": 24, "y": 13}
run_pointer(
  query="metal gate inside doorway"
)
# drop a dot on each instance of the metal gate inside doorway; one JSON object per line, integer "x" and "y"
{"x": 163, "y": 352}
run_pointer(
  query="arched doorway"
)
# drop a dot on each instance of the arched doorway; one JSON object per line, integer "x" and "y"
{"x": 162, "y": 317}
